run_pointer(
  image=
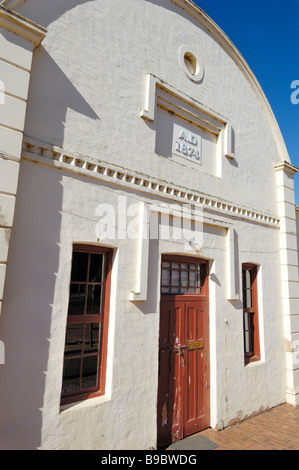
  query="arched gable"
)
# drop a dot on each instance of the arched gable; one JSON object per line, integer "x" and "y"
{"x": 205, "y": 21}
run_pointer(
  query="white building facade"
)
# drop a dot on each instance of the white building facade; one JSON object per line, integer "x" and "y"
{"x": 149, "y": 255}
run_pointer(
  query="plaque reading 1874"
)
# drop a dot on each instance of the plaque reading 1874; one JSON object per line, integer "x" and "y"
{"x": 187, "y": 144}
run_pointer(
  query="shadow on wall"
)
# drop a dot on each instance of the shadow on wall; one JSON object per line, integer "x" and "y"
{"x": 44, "y": 12}
{"x": 25, "y": 319}
{"x": 51, "y": 94}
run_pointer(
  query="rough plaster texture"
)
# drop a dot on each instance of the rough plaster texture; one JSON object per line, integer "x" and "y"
{"x": 127, "y": 412}
{"x": 90, "y": 103}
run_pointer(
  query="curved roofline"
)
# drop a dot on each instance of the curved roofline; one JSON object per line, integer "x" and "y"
{"x": 199, "y": 15}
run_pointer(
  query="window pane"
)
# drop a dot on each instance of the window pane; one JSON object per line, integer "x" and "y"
{"x": 251, "y": 343}
{"x": 77, "y": 299}
{"x": 79, "y": 267}
{"x": 248, "y": 298}
{"x": 74, "y": 339}
{"x": 247, "y": 342}
{"x": 247, "y": 279}
{"x": 246, "y": 321}
{"x": 90, "y": 372}
{"x": 71, "y": 375}
{"x": 92, "y": 338}
{"x": 94, "y": 299}
{"x": 96, "y": 268}
{"x": 248, "y": 332}
{"x": 83, "y": 345}
{"x": 247, "y": 289}
{"x": 165, "y": 277}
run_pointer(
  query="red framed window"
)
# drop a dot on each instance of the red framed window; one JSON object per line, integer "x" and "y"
{"x": 87, "y": 324}
{"x": 250, "y": 313}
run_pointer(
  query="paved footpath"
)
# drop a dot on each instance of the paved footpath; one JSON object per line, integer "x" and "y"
{"x": 275, "y": 429}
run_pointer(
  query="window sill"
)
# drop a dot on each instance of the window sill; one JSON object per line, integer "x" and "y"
{"x": 253, "y": 362}
{"x": 85, "y": 403}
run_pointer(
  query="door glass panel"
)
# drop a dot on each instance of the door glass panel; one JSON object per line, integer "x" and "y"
{"x": 165, "y": 290}
{"x": 193, "y": 279}
{"x": 165, "y": 264}
{"x": 165, "y": 277}
{"x": 175, "y": 278}
{"x": 175, "y": 290}
{"x": 182, "y": 278}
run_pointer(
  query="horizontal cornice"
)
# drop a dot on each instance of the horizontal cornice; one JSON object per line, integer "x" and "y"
{"x": 60, "y": 159}
{"x": 21, "y": 26}
{"x": 13, "y": 4}
{"x": 287, "y": 167}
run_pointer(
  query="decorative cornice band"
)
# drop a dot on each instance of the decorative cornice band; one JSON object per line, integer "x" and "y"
{"x": 22, "y": 26}
{"x": 53, "y": 156}
{"x": 287, "y": 167}
{"x": 12, "y": 4}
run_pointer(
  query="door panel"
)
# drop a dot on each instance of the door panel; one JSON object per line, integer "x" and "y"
{"x": 195, "y": 368}
{"x": 183, "y": 403}
{"x": 169, "y": 400}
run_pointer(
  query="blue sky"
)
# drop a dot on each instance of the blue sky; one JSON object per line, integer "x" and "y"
{"x": 266, "y": 32}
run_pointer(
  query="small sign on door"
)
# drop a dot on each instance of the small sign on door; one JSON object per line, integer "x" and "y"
{"x": 195, "y": 344}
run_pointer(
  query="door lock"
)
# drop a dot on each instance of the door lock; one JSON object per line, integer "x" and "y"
{"x": 181, "y": 353}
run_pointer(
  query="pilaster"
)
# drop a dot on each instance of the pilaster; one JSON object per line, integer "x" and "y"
{"x": 18, "y": 38}
{"x": 289, "y": 275}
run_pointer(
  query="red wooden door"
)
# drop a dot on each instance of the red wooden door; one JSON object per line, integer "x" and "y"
{"x": 183, "y": 393}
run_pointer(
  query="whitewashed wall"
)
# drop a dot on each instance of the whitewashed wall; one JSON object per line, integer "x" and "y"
{"x": 57, "y": 209}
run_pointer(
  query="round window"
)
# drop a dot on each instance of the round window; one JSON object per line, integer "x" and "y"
{"x": 191, "y": 64}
